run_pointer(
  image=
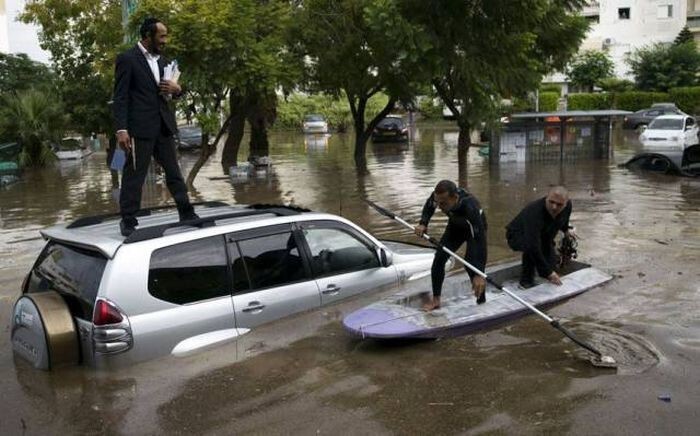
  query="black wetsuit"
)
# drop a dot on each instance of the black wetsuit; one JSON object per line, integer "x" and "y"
{"x": 467, "y": 223}
{"x": 533, "y": 232}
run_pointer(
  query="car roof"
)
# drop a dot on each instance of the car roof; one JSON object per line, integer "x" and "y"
{"x": 102, "y": 234}
{"x": 671, "y": 117}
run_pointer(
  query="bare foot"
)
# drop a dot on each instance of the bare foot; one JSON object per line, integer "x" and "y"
{"x": 432, "y": 305}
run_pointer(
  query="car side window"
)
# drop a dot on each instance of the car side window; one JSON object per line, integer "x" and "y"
{"x": 272, "y": 260}
{"x": 336, "y": 251}
{"x": 654, "y": 113}
{"x": 189, "y": 272}
{"x": 689, "y": 122}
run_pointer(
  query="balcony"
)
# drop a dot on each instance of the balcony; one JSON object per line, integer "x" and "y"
{"x": 591, "y": 9}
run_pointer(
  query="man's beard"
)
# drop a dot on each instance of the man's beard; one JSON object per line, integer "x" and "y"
{"x": 155, "y": 47}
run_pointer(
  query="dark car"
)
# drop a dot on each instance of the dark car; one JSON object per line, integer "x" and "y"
{"x": 188, "y": 137}
{"x": 644, "y": 116}
{"x": 391, "y": 128}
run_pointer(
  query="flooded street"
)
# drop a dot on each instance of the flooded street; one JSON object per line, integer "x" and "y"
{"x": 305, "y": 375}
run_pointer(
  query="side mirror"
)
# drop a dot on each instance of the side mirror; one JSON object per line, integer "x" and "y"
{"x": 386, "y": 258}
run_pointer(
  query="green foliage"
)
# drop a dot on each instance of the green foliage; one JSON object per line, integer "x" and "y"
{"x": 660, "y": 67}
{"x": 18, "y": 72}
{"x": 430, "y": 108}
{"x": 687, "y": 99}
{"x": 548, "y": 101}
{"x": 589, "y": 67}
{"x": 550, "y": 87}
{"x": 589, "y": 101}
{"x": 503, "y": 48}
{"x": 291, "y": 111}
{"x": 684, "y": 36}
{"x": 34, "y": 118}
{"x": 613, "y": 84}
{"x": 83, "y": 37}
{"x": 637, "y": 100}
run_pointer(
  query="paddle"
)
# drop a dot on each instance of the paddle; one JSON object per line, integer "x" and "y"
{"x": 602, "y": 360}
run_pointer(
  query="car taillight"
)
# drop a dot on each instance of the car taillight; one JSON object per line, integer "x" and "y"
{"x": 105, "y": 313}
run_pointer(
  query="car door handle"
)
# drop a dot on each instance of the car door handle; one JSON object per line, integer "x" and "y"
{"x": 254, "y": 306}
{"x": 331, "y": 290}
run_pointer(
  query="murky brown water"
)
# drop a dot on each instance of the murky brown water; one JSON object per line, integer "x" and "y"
{"x": 305, "y": 375}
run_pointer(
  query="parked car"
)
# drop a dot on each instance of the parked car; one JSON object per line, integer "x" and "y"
{"x": 391, "y": 128}
{"x": 172, "y": 288}
{"x": 188, "y": 137}
{"x": 314, "y": 123}
{"x": 670, "y": 132}
{"x": 71, "y": 148}
{"x": 644, "y": 116}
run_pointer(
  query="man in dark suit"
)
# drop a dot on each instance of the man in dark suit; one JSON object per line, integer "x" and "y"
{"x": 145, "y": 123}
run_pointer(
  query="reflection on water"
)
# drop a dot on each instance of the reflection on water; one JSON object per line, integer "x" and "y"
{"x": 643, "y": 228}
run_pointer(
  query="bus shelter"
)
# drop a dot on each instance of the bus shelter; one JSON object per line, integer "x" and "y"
{"x": 554, "y": 136}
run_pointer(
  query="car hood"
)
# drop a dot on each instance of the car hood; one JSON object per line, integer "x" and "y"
{"x": 650, "y": 133}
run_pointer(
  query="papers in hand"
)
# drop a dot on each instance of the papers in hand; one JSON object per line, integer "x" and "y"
{"x": 171, "y": 72}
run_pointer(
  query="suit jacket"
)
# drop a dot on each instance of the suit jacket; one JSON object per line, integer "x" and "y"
{"x": 138, "y": 107}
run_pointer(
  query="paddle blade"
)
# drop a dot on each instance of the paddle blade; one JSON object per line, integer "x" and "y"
{"x": 380, "y": 209}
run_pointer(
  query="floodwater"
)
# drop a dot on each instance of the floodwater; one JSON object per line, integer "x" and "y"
{"x": 304, "y": 375}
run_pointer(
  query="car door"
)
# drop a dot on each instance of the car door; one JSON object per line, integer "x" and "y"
{"x": 344, "y": 262}
{"x": 690, "y": 132}
{"x": 271, "y": 278}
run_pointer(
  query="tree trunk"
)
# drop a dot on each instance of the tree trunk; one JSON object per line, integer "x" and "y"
{"x": 206, "y": 152}
{"x": 462, "y": 166}
{"x": 362, "y": 132}
{"x": 465, "y": 138}
{"x": 262, "y": 114}
{"x": 239, "y": 107}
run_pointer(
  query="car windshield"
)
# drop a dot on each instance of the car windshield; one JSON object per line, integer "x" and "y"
{"x": 666, "y": 124}
{"x": 391, "y": 122}
{"x": 311, "y": 118}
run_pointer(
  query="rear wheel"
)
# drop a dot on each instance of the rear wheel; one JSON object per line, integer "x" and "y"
{"x": 43, "y": 331}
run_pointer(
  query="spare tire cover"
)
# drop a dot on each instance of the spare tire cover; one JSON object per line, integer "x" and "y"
{"x": 43, "y": 331}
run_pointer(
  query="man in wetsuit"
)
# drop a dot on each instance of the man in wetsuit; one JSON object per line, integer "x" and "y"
{"x": 466, "y": 223}
{"x": 533, "y": 231}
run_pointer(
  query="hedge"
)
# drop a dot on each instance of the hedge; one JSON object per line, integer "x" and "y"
{"x": 637, "y": 100}
{"x": 588, "y": 101}
{"x": 291, "y": 111}
{"x": 548, "y": 101}
{"x": 687, "y": 99}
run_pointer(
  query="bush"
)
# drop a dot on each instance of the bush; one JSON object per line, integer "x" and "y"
{"x": 637, "y": 100}
{"x": 428, "y": 109}
{"x": 291, "y": 111}
{"x": 548, "y": 101}
{"x": 687, "y": 99}
{"x": 550, "y": 87}
{"x": 589, "y": 101}
{"x": 613, "y": 84}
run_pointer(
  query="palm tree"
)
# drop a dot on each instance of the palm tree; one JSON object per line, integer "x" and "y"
{"x": 34, "y": 118}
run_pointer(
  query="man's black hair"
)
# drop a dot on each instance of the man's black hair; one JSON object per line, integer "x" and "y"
{"x": 446, "y": 186}
{"x": 148, "y": 27}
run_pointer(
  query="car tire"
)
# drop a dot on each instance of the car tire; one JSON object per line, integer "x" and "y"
{"x": 44, "y": 332}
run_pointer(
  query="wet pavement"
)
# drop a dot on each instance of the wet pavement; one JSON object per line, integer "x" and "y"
{"x": 306, "y": 375}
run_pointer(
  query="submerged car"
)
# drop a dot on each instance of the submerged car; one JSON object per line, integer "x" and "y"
{"x": 188, "y": 137}
{"x": 670, "y": 132}
{"x": 643, "y": 117}
{"x": 171, "y": 288}
{"x": 314, "y": 123}
{"x": 391, "y": 128}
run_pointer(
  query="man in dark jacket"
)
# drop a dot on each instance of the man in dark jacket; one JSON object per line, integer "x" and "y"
{"x": 533, "y": 231}
{"x": 145, "y": 122}
{"x": 466, "y": 223}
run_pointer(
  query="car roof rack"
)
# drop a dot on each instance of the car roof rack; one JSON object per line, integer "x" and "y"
{"x": 99, "y": 219}
{"x": 154, "y": 232}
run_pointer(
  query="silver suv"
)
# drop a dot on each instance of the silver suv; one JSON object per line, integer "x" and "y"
{"x": 170, "y": 288}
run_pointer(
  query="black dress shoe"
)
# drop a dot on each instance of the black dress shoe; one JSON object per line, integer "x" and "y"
{"x": 481, "y": 299}
{"x": 526, "y": 284}
{"x": 189, "y": 216}
{"x": 126, "y": 228}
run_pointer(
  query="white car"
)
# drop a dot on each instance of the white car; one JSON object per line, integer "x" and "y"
{"x": 670, "y": 132}
{"x": 315, "y": 123}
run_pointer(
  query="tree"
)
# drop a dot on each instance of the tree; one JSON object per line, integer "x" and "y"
{"x": 612, "y": 84}
{"x": 684, "y": 36}
{"x": 18, "y": 72}
{"x": 34, "y": 118}
{"x": 660, "y": 67}
{"x": 590, "y": 67}
{"x": 357, "y": 49}
{"x": 83, "y": 38}
{"x": 481, "y": 50}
